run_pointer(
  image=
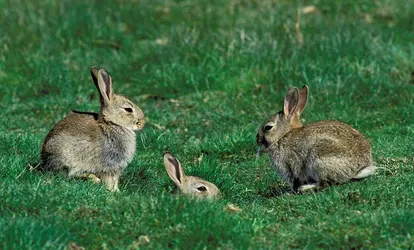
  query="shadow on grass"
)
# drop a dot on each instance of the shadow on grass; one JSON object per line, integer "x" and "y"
{"x": 38, "y": 169}
{"x": 144, "y": 181}
{"x": 275, "y": 191}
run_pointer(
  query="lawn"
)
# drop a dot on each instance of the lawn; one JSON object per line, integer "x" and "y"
{"x": 207, "y": 74}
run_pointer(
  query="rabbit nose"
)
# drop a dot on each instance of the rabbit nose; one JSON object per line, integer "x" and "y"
{"x": 141, "y": 123}
{"x": 261, "y": 141}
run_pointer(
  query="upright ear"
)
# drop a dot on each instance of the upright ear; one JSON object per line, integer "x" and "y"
{"x": 174, "y": 169}
{"x": 104, "y": 85}
{"x": 291, "y": 103}
{"x": 94, "y": 74}
{"x": 303, "y": 99}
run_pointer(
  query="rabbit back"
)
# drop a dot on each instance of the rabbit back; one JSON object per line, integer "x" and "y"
{"x": 327, "y": 152}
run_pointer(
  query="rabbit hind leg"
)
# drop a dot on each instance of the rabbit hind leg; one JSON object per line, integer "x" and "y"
{"x": 90, "y": 177}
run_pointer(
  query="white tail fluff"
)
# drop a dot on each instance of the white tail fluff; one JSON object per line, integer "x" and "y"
{"x": 308, "y": 187}
{"x": 364, "y": 173}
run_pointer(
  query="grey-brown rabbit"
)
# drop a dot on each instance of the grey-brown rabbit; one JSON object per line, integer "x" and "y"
{"x": 95, "y": 143}
{"x": 320, "y": 153}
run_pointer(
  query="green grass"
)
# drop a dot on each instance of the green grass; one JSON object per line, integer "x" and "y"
{"x": 206, "y": 74}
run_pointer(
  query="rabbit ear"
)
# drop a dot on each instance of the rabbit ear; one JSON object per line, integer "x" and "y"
{"x": 104, "y": 85}
{"x": 94, "y": 74}
{"x": 291, "y": 102}
{"x": 303, "y": 99}
{"x": 174, "y": 169}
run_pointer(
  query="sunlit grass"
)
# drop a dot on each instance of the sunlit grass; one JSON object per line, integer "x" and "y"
{"x": 206, "y": 74}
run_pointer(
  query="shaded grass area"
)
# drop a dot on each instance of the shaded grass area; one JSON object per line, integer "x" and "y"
{"x": 206, "y": 74}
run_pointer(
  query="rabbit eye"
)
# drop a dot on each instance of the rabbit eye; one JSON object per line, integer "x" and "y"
{"x": 268, "y": 127}
{"x": 129, "y": 110}
{"x": 202, "y": 189}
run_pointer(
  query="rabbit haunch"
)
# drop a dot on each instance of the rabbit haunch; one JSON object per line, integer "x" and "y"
{"x": 308, "y": 159}
{"x": 325, "y": 152}
{"x": 95, "y": 143}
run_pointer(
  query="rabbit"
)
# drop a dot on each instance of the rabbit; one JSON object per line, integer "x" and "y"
{"x": 102, "y": 144}
{"x": 189, "y": 185}
{"x": 315, "y": 155}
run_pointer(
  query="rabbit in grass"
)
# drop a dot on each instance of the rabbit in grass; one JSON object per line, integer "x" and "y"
{"x": 101, "y": 143}
{"x": 189, "y": 185}
{"x": 317, "y": 154}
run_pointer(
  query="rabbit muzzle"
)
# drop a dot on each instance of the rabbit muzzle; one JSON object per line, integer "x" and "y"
{"x": 261, "y": 140}
{"x": 140, "y": 123}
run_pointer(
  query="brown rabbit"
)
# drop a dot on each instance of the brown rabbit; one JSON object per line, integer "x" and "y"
{"x": 189, "y": 185}
{"x": 320, "y": 153}
{"x": 95, "y": 143}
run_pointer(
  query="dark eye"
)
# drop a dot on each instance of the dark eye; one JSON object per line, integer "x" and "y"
{"x": 202, "y": 189}
{"x": 129, "y": 110}
{"x": 268, "y": 127}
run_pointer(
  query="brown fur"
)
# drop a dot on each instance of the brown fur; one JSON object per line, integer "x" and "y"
{"x": 95, "y": 143}
{"x": 320, "y": 153}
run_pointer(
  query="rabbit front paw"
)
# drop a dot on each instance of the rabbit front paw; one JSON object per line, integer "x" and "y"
{"x": 111, "y": 182}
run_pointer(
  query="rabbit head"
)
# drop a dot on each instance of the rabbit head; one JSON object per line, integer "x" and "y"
{"x": 284, "y": 121}
{"x": 116, "y": 109}
{"x": 189, "y": 185}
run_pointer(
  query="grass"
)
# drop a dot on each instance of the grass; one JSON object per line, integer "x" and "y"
{"x": 206, "y": 74}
